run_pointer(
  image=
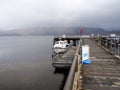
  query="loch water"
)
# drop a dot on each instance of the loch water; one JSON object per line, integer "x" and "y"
{"x": 26, "y": 64}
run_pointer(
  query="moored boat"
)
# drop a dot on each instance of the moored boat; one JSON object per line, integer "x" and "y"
{"x": 61, "y": 46}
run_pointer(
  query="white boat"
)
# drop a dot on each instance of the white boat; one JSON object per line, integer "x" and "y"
{"x": 61, "y": 46}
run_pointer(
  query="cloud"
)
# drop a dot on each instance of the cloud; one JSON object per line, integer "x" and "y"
{"x": 18, "y": 14}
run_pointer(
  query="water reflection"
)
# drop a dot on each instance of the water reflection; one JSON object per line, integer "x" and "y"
{"x": 25, "y": 64}
{"x": 64, "y": 72}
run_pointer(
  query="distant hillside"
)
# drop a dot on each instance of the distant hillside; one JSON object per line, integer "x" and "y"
{"x": 57, "y": 31}
{"x": 69, "y": 31}
{"x": 9, "y": 33}
{"x": 95, "y": 31}
{"x": 115, "y": 31}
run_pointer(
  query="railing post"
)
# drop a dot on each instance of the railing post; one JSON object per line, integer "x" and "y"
{"x": 118, "y": 49}
{"x": 111, "y": 45}
{"x": 114, "y": 47}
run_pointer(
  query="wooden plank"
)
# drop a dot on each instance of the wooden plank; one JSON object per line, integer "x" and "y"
{"x": 104, "y": 71}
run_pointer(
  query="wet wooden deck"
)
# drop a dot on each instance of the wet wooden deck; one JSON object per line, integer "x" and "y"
{"x": 64, "y": 60}
{"x": 104, "y": 71}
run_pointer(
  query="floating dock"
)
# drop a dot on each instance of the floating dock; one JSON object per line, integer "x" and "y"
{"x": 104, "y": 71}
{"x": 64, "y": 60}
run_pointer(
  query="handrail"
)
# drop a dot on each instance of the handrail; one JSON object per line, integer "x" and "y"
{"x": 70, "y": 78}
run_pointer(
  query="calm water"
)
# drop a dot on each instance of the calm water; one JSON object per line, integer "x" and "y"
{"x": 26, "y": 64}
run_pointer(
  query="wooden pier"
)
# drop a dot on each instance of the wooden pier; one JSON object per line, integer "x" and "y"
{"x": 102, "y": 74}
{"x": 104, "y": 71}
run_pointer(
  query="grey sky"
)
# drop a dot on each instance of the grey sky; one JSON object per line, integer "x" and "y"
{"x": 20, "y": 14}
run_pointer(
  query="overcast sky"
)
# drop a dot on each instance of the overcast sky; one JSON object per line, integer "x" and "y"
{"x": 20, "y": 14}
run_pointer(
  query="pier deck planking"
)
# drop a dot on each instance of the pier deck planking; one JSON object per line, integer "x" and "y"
{"x": 104, "y": 71}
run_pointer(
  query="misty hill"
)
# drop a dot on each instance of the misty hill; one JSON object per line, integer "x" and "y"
{"x": 68, "y": 31}
{"x": 115, "y": 31}
{"x": 9, "y": 33}
{"x": 56, "y": 31}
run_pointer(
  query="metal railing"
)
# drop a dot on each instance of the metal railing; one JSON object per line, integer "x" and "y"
{"x": 73, "y": 69}
{"x": 111, "y": 44}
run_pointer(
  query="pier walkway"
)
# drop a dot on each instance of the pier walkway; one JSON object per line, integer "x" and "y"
{"x": 104, "y": 71}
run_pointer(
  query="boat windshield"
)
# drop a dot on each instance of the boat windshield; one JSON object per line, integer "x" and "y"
{"x": 61, "y": 42}
{"x": 57, "y": 42}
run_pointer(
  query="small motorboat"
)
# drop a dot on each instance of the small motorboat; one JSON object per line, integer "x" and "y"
{"x": 61, "y": 46}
